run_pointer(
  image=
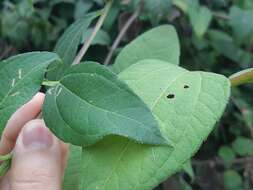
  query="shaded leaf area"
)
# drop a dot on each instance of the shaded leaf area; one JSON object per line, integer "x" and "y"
{"x": 90, "y": 102}
{"x": 21, "y": 77}
{"x": 185, "y": 119}
{"x": 158, "y": 43}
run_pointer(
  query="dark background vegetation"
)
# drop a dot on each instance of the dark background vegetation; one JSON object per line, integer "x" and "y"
{"x": 215, "y": 35}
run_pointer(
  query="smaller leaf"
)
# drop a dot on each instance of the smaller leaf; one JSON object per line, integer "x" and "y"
{"x": 101, "y": 38}
{"x": 200, "y": 18}
{"x": 227, "y": 154}
{"x": 20, "y": 79}
{"x": 243, "y": 146}
{"x": 226, "y": 46}
{"x": 90, "y": 102}
{"x": 158, "y": 9}
{"x": 68, "y": 43}
{"x": 158, "y": 43}
{"x": 232, "y": 180}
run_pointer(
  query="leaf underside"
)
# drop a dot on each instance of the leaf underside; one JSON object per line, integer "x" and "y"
{"x": 20, "y": 79}
{"x": 90, "y": 102}
{"x": 187, "y": 106}
{"x": 159, "y": 43}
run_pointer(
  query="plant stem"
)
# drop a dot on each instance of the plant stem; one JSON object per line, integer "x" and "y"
{"x": 221, "y": 16}
{"x": 99, "y": 24}
{"x": 242, "y": 77}
{"x": 50, "y": 83}
{"x": 5, "y": 157}
{"x": 121, "y": 35}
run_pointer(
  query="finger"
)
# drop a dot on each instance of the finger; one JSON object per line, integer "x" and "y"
{"x": 24, "y": 114}
{"x": 37, "y": 159}
{"x": 65, "y": 154}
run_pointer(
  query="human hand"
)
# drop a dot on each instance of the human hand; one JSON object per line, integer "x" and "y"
{"x": 39, "y": 158}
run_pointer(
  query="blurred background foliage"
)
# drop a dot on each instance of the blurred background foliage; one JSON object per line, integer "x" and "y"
{"x": 215, "y": 35}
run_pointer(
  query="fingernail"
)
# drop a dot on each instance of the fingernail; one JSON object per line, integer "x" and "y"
{"x": 36, "y": 137}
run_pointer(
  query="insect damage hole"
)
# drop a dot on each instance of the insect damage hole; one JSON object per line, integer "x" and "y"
{"x": 171, "y": 96}
{"x": 186, "y": 86}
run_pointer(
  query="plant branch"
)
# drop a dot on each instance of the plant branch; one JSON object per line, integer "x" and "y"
{"x": 242, "y": 77}
{"x": 122, "y": 33}
{"x": 87, "y": 43}
{"x": 221, "y": 16}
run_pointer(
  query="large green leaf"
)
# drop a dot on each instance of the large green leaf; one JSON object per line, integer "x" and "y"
{"x": 158, "y": 43}
{"x": 68, "y": 43}
{"x": 187, "y": 105}
{"x": 20, "y": 78}
{"x": 90, "y": 102}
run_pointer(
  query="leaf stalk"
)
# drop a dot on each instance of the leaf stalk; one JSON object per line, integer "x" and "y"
{"x": 242, "y": 77}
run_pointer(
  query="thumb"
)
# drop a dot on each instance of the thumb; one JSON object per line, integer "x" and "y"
{"x": 36, "y": 160}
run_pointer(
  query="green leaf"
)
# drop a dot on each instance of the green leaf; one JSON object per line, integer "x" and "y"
{"x": 232, "y": 180}
{"x": 101, "y": 38}
{"x": 81, "y": 8}
{"x": 241, "y": 22}
{"x": 200, "y": 18}
{"x": 226, "y": 46}
{"x": 243, "y": 146}
{"x": 90, "y": 102}
{"x": 158, "y": 43}
{"x": 187, "y": 106}
{"x": 227, "y": 154}
{"x": 158, "y": 9}
{"x": 20, "y": 79}
{"x": 73, "y": 170}
{"x": 68, "y": 43}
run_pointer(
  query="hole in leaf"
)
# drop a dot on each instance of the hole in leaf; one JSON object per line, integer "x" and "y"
{"x": 171, "y": 96}
{"x": 186, "y": 86}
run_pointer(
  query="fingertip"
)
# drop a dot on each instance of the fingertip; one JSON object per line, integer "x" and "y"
{"x": 13, "y": 127}
{"x": 37, "y": 158}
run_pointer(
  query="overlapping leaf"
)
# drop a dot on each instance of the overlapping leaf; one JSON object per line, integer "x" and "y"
{"x": 187, "y": 105}
{"x": 158, "y": 43}
{"x": 20, "y": 78}
{"x": 90, "y": 102}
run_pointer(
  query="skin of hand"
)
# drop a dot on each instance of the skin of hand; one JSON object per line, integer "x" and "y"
{"x": 39, "y": 158}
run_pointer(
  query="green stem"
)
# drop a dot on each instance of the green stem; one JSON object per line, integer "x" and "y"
{"x": 99, "y": 24}
{"x": 242, "y": 77}
{"x": 5, "y": 163}
{"x": 5, "y": 157}
{"x": 50, "y": 83}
